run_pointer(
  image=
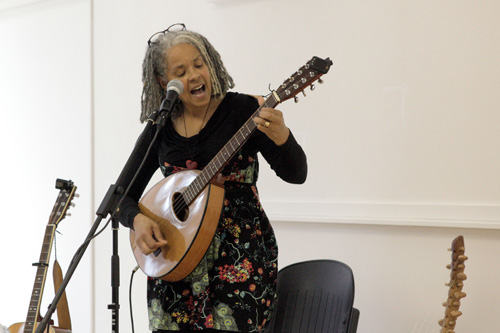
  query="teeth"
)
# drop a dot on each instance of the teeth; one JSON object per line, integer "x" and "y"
{"x": 198, "y": 90}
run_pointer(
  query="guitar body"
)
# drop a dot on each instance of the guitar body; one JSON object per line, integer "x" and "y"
{"x": 188, "y": 236}
{"x": 19, "y": 328}
{"x": 187, "y": 206}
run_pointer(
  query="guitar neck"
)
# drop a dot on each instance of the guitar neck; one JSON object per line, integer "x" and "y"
{"x": 225, "y": 154}
{"x": 40, "y": 277}
{"x": 66, "y": 193}
{"x": 455, "y": 293}
{"x": 298, "y": 81}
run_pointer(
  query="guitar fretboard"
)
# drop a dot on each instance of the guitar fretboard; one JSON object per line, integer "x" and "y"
{"x": 297, "y": 82}
{"x": 225, "y": 154}
{"x": 67, "y": 191}
{"x": 41, "y": 272}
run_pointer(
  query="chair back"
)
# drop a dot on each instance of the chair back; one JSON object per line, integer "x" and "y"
{"x": 313, "y": 297}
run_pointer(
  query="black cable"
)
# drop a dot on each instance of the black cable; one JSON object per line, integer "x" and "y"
{"x": 130, "y": 297}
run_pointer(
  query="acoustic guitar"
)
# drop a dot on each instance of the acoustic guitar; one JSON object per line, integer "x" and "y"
{"x": 187, "y": 205}
{"x": 456, "y": 284}
{"x": 63, "y": 202}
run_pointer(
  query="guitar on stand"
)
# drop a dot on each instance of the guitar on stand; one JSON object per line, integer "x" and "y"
{"x": 456, "y": 284}
{"x": 62, "y": 204}
{"x": 187, "y": 205}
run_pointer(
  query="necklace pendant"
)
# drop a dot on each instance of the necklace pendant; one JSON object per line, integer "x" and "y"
{"x": 191, "y": 165}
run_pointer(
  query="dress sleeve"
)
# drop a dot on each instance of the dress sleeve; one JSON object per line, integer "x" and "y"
{"x": 129, "y": 206}
{"x": 288, "y": 161}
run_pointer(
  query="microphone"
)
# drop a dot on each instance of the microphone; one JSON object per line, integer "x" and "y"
{"x": 174, "y": 89}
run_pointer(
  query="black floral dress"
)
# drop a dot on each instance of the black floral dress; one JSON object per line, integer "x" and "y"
{"x": 233, "y": 287}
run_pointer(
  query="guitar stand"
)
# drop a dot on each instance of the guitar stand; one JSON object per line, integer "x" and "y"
{"x": 109, "y": 205}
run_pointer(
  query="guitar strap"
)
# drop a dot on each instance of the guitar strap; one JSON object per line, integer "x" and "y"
{"x": 63, "y": 317}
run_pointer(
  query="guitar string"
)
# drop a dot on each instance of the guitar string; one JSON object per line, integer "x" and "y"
{"x": 179, "y": 202}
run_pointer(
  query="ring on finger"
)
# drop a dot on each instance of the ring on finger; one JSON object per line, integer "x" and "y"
{"x": 267, "y": 123}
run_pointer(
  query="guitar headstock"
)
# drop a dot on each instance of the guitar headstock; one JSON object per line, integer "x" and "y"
{"x": 455, "y": 294}
{"x": 304, "y": 77}
{"x": 63, "y": 201}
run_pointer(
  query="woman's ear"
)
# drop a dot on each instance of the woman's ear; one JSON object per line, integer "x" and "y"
{"x": 162, "y": 82}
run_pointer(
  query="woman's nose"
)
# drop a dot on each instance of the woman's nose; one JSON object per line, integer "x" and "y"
{"x": 193, "y": 74}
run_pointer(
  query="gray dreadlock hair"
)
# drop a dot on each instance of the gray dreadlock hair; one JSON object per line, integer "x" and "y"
{"x": 154, "y": 66}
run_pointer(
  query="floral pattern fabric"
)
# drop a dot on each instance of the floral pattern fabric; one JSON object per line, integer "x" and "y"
{"x": 233, "y": 287}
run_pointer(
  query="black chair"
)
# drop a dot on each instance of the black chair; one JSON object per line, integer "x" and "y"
{"x": 315, "y": 296}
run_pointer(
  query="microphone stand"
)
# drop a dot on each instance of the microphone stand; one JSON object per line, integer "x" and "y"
{"x": 109, "y": 205}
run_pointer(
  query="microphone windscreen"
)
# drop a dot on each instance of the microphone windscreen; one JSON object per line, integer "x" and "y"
{"x": 175, "y": 85}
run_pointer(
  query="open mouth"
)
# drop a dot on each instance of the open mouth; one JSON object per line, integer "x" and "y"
{"x": 198, "y": 90}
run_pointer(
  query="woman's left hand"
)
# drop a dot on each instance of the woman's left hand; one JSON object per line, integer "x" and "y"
{"x": 271, "y": 122}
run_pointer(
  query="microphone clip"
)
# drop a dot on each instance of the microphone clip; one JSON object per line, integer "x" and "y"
{"x": 166, "y": 109}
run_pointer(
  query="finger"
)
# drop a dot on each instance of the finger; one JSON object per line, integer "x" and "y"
{"x": 271, "y": 115}
{"x": 158, "y": 236}
{"x": 261, "y": 100}
{"x": 149, "y": 244}
{"x": 266, "y": 114}
{"x": 145, "y": 249}
{"x": 262, "y": 124}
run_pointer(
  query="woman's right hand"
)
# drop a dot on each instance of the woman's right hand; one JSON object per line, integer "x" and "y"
{"x": 148, "y": 236}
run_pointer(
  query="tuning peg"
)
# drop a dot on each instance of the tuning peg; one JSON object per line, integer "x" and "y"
{"x": 295, "y": 99}
{"x": 320, "y": 81}
{"x": 459, "y": 295}
{"x": 312, "y": 87}
{"x": 456, "y": 313}
{"x": 462, "y": 257}
{"x": 448, "y": 266}
{"x": 461, "y": 276}
{"x": 72, "y": 204}
{"x": 76, "y": 195}
{"x": 304, "y": 93}
{"x": 68, "y": 214}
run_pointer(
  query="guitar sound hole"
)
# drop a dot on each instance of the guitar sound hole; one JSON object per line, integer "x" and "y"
{"x": 181, "y": 210}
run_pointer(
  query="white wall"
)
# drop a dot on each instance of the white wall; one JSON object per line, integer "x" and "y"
{"x": 45, "y": 134}
{"x": 400, "y": 273}
{"x": 401, "y": 141}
